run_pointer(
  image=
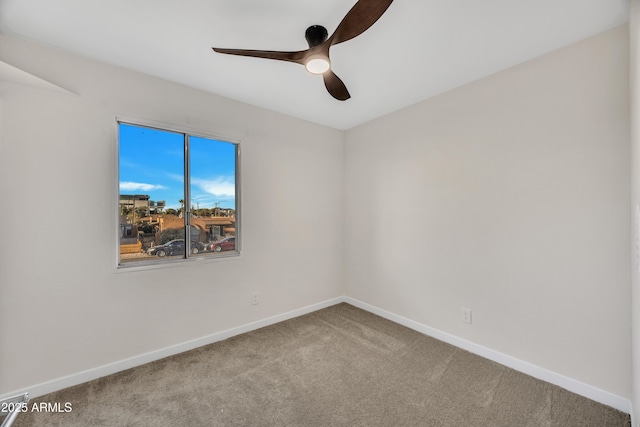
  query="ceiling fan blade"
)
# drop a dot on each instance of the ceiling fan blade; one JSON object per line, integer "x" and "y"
{"x": 297, "y": 57}
{"x": 362, "y": 15}
{"x": 335, "y": 86}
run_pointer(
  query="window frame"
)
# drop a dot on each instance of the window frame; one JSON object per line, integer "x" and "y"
{"x": 187, "y": 132}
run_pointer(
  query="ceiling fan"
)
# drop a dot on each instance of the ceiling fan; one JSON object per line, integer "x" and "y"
{"x": 316, "y": 59}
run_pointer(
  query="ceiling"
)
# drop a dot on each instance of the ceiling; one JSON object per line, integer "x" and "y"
{"x": 418, "y": 48}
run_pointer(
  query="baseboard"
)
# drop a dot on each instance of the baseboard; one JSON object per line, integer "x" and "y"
{"x": 586, "y": 390}
{"x": 570, "y": 384}
{"x": 121, "y": 365}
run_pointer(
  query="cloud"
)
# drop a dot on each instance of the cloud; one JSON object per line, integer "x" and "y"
{"x": 219, "y": 187}
{"x": 140, "y": 186}
{"x": 176, "y": 177}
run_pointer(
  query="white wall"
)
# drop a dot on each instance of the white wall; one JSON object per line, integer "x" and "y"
{"x": 63, "y": 307}
{"x": 509, "y": 196}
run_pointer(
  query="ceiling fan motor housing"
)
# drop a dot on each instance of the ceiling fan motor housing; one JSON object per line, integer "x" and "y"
{"x": 316, "y": 35}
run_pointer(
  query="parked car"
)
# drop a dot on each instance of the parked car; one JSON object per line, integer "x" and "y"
{"x": 175, "y": 247}
{"x": 226, "y": 244}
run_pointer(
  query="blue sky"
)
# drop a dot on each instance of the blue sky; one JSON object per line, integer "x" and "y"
{"x": 152, "y": 163}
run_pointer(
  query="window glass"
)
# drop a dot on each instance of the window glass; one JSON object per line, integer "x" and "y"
{"x": 156, "y": 207}
{"x": 213, "y": 193}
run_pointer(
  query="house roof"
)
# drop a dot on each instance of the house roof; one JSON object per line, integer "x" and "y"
{"x": 173, "y": 221}
{"x": 218, "y": 220}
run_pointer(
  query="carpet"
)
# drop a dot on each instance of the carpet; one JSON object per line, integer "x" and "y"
{"x": 340, "y": 366}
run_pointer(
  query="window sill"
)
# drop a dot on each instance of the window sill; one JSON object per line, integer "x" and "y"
{"x": 180, "y": 262}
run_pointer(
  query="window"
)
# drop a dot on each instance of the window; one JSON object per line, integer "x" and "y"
{"x": 171, "y": 182}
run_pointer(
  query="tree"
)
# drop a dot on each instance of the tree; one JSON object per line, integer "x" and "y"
{"x": 170, "y": 234}
{"x": 141, "y": 212}
{"x": 181, "y": 210}
{"x": 146, "y": 228}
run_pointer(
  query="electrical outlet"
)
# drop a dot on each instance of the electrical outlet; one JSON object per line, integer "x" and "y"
{"x": 466, "y": 315}
{"x": 255, "y": 298}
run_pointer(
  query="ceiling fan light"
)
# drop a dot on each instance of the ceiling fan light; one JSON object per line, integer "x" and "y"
{"x": 318, "y": 65}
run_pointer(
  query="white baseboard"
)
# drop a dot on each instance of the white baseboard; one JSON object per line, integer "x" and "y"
{"x": 567, "y": 383}
{"x": 121, "y": 365}
{"x": 586, "y": 390}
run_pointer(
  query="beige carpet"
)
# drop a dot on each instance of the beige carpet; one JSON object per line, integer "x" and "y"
{"x": 340, "y": 366}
